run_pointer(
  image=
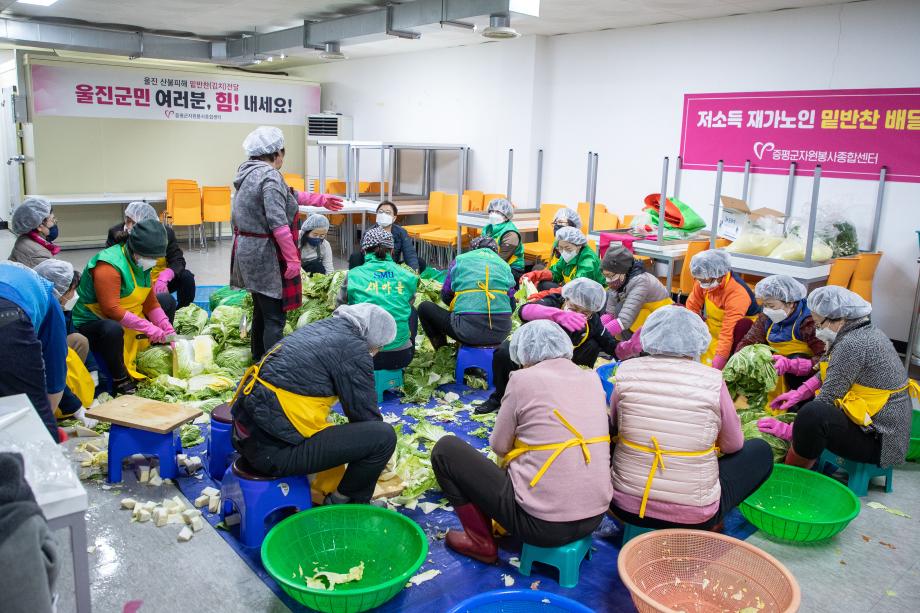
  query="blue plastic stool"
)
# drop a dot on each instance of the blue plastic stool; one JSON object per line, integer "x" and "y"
{"x": 566, "y": 558}
{"x": 220, "y": 445}
{"x": 604, "y": 373}
{"x": 387, "y": 380}
{"x": 630, "y": 532}
{"x": 124, "y": 442}
{"x": 474, "y": 357}
{"x": 532, "y": 601}
{"x": 858, "y": 473}
{"x": 203, "y": 296}
{"x": 256, "y": 497}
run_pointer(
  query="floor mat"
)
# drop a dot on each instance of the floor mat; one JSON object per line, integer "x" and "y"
{"x": 599, "y": 586}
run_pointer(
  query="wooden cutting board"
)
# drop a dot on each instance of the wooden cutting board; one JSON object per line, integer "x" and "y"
{"x": 144, "y": 414}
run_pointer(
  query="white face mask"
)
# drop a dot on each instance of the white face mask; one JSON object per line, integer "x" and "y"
{"x": 496, "y": 219}
{"x": 70, "y": 304}
{"x": 775, "y": 315}
{"x": 568, "y": 255}
{"x": 384, "y": 219}
{"x": 827, "y": 335}
{"x": 712, "y": 285}
{"x": 146, "y": 263}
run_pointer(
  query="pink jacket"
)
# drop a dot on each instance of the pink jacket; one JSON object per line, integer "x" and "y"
{"x": 571, "y": 489}
{"x": 685, "y": 406}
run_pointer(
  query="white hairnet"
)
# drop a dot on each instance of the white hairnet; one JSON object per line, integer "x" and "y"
{"x": 29, "y": 215}
{"x": 572, "y": 235}
{"x": 780, "y": 287}
{"x": 673, "y": 330}
{"x": 264, "y": 140}
{"x": 568, "y": 216}
{"x": 585, "y": 293}
{"x": 374, "y": 324}
{"x": 503, "y": 206}
{"x": 59, "y": 272}
{"x": 314, "y": 222}
{"x": 141, "y": 211}
{"x": 710, "y": 264}
{"x": 539, "y": 340}
{"x": 834, "y": 302}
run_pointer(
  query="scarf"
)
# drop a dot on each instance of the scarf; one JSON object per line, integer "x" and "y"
{"x": 38, "y": 238}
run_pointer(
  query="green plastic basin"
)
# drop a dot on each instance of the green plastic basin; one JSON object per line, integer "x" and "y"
{"x": 336, "y": 538}
{"x": 800, "y": 506}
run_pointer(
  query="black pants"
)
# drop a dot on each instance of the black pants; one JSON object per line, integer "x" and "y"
{"x": 184, "y": 286}
{"x": 467, "y": 476}
{"x": 399, "y": 359}
{"x": 821, "y": 425}
{"x": 107, "y": 340}
{"x": 22, "y": 364}
{"x": 168, "y": 304}
{"x": 357, "y": 259}
{"x": 740, "y": 474}
{"x": 364, "y": 446}
{"x": 438, "y": 324}
{"x": 267, "y": 324}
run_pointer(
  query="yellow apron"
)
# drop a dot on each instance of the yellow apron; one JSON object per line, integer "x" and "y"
{"x": 658, "y": 461}
{"x": 861, "y": 402}
{"x": 557, "y": 448}
{"x": 79, "y": 380}
{"x": 714, "y": 316}
{"x": 784, "y": 348}
{"x": 483, "y": 286}
{"x": 647, "y": 309}
{"x": 135, "y": 342}
{"x": 157, "y": 269}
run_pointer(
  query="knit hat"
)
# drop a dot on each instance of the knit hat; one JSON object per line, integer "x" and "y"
{"x": 375, "y": 237}
{"x": 618, "y": 260}
{"x": 484, "y": 242}
{"x": 148, "y": 238}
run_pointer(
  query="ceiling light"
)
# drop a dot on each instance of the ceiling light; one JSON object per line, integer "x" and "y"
{"x": 282, "y": 56}
{"x": 500, "y": 28}
{"x": 333, "y": 52}
{"x": 271, "y": 58}
{"x": 38, "y": 2}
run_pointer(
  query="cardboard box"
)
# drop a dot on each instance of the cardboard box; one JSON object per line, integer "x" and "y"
{"x": 736, "y": 212}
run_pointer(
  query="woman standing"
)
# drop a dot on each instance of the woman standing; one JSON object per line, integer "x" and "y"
{"x": 265, "y": 259}
{"x": 34, "y": 222}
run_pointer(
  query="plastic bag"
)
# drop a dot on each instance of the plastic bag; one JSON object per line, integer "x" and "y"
{"x": 758, "y": 236}
{"x": 645, "y": 225}
{"x": 833, "y": 226}
{"x": 46, "y": 469}
{"x": 793, "y": 249}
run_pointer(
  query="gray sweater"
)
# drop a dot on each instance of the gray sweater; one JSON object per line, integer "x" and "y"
{"x": 862, "y": 354}
{"x": 625, "y": 303}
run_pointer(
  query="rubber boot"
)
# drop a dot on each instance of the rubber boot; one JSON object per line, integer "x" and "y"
{"x": 489, "y": 406}
{"x": 475, "y": 540}
{"x": 794, "y": 459}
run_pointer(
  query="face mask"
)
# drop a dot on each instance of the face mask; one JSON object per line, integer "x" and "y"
{"x": 146, "y": 263}
{"x": 315, "y": 241}
{"x": 568, "y": 255}
{"x": 616, "y": 281}
{"x": 496, "y": 219}
{"x": 775, "y": 315}
{"x": 712, "y": 285}
{"x": 384, "y": 219}
{"x": 827, "y": 335}
{"x": 70, "y": 304}
{"x": 52, "y": 233}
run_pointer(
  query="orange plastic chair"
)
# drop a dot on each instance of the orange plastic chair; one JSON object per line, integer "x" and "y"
{"x": 335, "y": 187}
{"x": 864, "y": 274}
{"x": 627, "y": 221}
{"x": 215, "y": 205}
{"x": 296, "y": 181}
{"x": 373, "y": 187}
{"x": 684, "y": 284}
{"x": 171, "y": 186}
{"x": 543, "y": 247}
{"x": 487, "y": 198}
{"x": 435, "y": 214}
{"x": 187, "y": 211}
{"x": 842, "y": 271}
{"x": 476, "y": 199}
{"x": 722, "y": 243}
{"x": 603, "y": 219}
{"x": 446, "y": 236}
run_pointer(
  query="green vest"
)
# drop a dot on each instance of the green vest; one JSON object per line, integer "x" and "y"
{"x": 498, "y": 231}
{"x": 468, "y": 283}
{"x": 116, "y": 256}
{"x": 389, "y": 286}
{"x": 586, "y": 264}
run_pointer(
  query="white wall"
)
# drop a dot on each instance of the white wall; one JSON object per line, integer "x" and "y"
{"x": 620, "y": 93}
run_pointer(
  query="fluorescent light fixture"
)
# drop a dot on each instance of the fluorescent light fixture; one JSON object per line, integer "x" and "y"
{"x": 282, "y": 56}
{"x": 38, "y": 2}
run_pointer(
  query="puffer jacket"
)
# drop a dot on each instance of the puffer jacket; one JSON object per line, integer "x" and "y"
{"x": 327, "y": 358}
{"x": 626, "y": 303}
{"x": 29, "y": 253}
{"x": 678, "y": 402}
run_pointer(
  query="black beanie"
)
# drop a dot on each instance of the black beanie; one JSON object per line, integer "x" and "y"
{"x": 148, "y": 238}
{"x": 618, "y": 260}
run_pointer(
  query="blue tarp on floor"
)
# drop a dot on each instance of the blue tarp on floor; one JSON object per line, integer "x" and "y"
{"x": 599, "y": 586}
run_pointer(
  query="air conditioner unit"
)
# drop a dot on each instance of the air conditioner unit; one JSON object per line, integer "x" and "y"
{"x": 325, "y": 127}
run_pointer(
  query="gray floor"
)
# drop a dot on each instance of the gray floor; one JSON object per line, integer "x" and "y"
{"x": 140, "y": 562}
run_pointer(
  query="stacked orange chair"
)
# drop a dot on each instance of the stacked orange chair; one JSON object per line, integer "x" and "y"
{"x": 171, "y": 186}
{"x": 215, "y": 205}
{"x": 435, "y": 214}
{"x": 842, "y": 271}
{"x": 864, "y": 274}
{"x": 186, "y": 211}
{"x": 446, "y": 236}
{"x": 542, "y": 248}
{"x": 296, "y": 181}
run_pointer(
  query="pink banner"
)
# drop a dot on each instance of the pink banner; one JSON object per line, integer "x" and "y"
{"x": 850, "y": 133}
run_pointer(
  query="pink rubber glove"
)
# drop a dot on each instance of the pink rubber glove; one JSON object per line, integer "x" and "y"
{"x": 158, "y": 317}
{"x": 328, "y": 201}
{"x": 631, "y": 348}
{"x": 793, "y": 366}
{"x": 139, "y": 324}
{"x": 285, "y": 242}
{"x": 779, "y": 429}
{"x": 786, "y": 401}
{"x": 162, "y": 285}
{"x": 719, "y": 361}
{"x": 611, "y": 323}
{"x": 570, "y": 320}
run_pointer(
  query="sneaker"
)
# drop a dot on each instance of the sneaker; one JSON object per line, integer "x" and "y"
{"x": 489, "y": 406}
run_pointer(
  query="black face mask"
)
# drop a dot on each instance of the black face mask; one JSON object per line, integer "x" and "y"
{"x": 52, "y": 233}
